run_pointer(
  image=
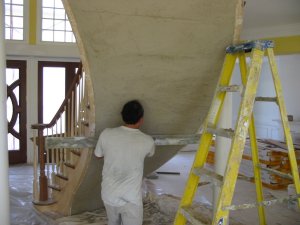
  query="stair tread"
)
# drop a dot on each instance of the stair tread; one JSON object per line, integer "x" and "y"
{"x": 76, "y": 152}
{"x": 55, "y": 187}
{"x": 62, "y": 176}
{"x": 70, "y": 165}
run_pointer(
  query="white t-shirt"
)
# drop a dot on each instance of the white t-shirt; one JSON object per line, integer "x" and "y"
{"x": 124, "y": 150}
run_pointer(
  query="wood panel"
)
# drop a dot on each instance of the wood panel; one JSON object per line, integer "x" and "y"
{"x": 19, "y": 111}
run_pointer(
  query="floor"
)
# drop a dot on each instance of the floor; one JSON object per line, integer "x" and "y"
{"x": 21, "y": 208}
{"x": 280, "y": 214}
{"x": 161, "y": 193}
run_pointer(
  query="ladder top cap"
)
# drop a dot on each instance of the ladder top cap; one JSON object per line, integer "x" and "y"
{"x": 248, "y": 46}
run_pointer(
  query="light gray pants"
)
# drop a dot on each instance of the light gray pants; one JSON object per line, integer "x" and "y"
{"x": 128, "y": 214}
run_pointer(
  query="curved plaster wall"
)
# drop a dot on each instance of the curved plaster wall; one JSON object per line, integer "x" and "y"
{"x": 168, "y": 54}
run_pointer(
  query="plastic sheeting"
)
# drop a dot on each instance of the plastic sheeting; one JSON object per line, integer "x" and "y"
{"x": 159, "y": 208}
{"x": 152, "y": 216}
{"x": 23, "y": 212}
{"x": 160, "y": 203}
{"x": 21, "y": 208}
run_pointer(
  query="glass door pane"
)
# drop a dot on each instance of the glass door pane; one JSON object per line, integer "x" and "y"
{"x": 53, "y": 91}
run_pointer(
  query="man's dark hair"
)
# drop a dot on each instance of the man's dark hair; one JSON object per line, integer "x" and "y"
{"x": 132, "y": 112}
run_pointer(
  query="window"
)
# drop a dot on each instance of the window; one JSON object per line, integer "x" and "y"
{"x": 55, "y": 24}
{"x": 14, "y": 19}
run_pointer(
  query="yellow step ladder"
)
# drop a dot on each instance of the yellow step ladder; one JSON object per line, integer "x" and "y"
{"x": 250, "y": 76}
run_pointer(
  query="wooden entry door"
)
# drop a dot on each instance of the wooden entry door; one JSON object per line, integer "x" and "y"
{"x": 16, "y": 111}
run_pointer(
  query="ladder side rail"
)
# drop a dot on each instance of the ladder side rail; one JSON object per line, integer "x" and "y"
{"x": 285, "y": 123}
{"x": 206, "y": 138}
{"x": 254, "y": 148}
{"x": 218, "y": 100}
{"x": 238, "y": 142}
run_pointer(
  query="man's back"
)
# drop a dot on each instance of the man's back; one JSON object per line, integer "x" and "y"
{"x": 124, "y": 150}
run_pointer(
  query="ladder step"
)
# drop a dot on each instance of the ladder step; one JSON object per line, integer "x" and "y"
{"x": 190, "y": 216}
{"x": 231, "y": 88}
{"x": 266, "y": 99}
{"x": 263, "y": 203}
{"x": 62, "y": 176}
{"x": 228, "y": 133}
{"x": 212, "y": 176}
{"x": 278, "y": 173}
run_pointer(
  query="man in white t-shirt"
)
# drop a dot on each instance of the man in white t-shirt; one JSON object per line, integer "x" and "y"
{"x": 124, "y": 149}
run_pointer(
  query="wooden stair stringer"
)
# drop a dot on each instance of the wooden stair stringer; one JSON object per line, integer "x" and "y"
{"x": 65, "y": 197}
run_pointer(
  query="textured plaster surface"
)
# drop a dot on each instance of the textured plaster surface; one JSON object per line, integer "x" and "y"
{"x": 168, "y": 54}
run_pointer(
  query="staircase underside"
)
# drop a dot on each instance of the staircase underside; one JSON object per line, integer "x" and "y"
{"x": 168, "y": 54}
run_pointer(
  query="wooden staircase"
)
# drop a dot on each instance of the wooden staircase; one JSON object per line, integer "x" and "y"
{"x": 58, "y": 172}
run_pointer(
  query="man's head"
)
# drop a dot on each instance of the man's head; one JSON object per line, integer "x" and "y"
{"x": 132, "y": 112}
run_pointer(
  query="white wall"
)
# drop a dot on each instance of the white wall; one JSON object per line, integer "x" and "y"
{"x": 259, "y": 23}
{"x": 267, "y": 114}
{"x": 271, "y": 31}
{"x": 270, "y": 18}
{"x": 32, "y": 54}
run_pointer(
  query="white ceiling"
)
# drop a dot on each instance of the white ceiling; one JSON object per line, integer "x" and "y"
{"x": 264, "y": 13}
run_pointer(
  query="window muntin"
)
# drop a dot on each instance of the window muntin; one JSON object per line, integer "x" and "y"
{"x": 55, "y": 24}
{"x": 14, "y": 19}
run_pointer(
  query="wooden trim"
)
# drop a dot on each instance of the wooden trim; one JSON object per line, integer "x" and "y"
{"x": 239, "y": 14}
{"x": 286, "y": 45}
{"x": 40, "y": 92}
{"x": 32, "y": 21}
{"x": 21, "y": 155}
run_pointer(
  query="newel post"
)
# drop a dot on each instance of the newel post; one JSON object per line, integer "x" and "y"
{"x": 43, "y": 179}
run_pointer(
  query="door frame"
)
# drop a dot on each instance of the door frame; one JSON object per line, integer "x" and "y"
{"x": 70, "y": 66}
